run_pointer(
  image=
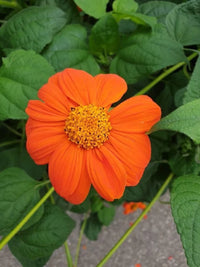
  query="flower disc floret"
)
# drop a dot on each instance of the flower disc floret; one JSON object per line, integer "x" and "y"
{"x": 88, "y": 126}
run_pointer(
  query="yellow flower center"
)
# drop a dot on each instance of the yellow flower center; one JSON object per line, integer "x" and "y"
{"x": 88, "y": 126}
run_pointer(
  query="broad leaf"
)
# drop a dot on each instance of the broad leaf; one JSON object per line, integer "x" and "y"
{"x": 185, "y": 202}
{"x": 182, "y": 165}
{"x": 20, "y": 81}
{"x": 125, "y": 6}
{"x": 184, "y": 119}
{"x": 183, "y": 23}
{"x": 126, "y": 9}
{"x": 69, "y": 50}
{"x": 93, "y": 227}
{"x": 106, "y": 215}
{"x": 146, "y": 52}
{"x": 19, "y": 193}
{"x": 44, "y": 237}
{"x": 104, "y": 38}
{"x": 68, "y": 6}
{"x": 158, "y": 9}
{"x": 93, "y": 8}
{"x": 31, "y": 28}
{"x": 193, "y": 91}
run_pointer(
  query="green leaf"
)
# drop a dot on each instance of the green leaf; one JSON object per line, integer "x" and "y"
{"x": 93, "y": 8}
{"x": 93, "y": 227}
{"x": 104, "y": 38}
{"x": 185, "y": 203}
{"x": 106, "y": 215}
{"x": 40, "y": 262}
{"x": 181, "y": 165}
{"x": 44, "y": 237}
{"x": 18, "y": 195}
{"x": 32, "y": 28}
{"x": 183, "y": 23}
{"x": 68, "y": 6}
{"x": 126, "y": 9}
{"x": 69, "y": 50}
{"x": 96, "y": 203}
{"x": 20, "y": 81}
{"x": 125, "y": 6}
{"x": 192, "y": 92}
{"x": 145, "y": 52}
{"x": 184, "y": 119}
{"x": 158, "y": 9}
{"x": 17, "y": 67}
{"x": 18, "y": 157}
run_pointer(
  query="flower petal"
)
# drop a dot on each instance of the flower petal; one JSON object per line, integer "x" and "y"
{"x": 53, "y": 96}
{"x": 43, "y": 139}
{"x": 40, "y": 111}
{"x": 82, "y": 189}
{"x": 78, "y": 85}
{"x": 135, "y": 115}
{"x": 133, "y": 150}
{"x": 106, "y": 173}
{"x": 67, "y": 170}
{"x": 110, "y": 88}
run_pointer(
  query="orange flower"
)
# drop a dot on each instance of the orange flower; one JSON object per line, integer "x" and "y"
{"x": 84, "y": 143}
{"x": 130, "y": 207}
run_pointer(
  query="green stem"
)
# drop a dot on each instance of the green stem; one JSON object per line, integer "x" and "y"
{"x": 164, "y": 74}
{"x": 42, "y": 183}
{"x": 127, "y": 233}
{"x": 187, "y": 75}
{"x": 68, "y": 255}
{"x": 6, "y": 239}
{"x": 11, "y": 129}
{"x": 7, "y": 143}
{"x": 79, "y": 241}
{"x": 12, "y": 4}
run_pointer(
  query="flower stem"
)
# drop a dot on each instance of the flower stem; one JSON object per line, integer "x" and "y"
{"x": 68, "y": 255}
{"x": 11, "y": 129}
{"x": 6, "y": 239}
{"x": 165, "y": 74}
{"x": 9, "y": 4}
{"x": 7, "y": 143}
{"x": 79, "y": 240}
{"x": 42, "y": 183}
{"x": 127, "y": 233}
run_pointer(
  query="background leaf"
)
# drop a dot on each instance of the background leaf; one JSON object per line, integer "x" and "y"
{"x": 18, "y": 195}
{"x": 104, "y": 37}
{"x": 158, "y": 9}
{"x": 68, "y": 6}
{"x": 185, "y": 202}
{"x": 42, "y": 238}
{"x": 192, "y": 92}
{"x": 125, "y": 6}
{"x": 93, "y": 227}
{"x": 183, "y": 22}
{"x": 93, "y": 8}
{"x": 126, "y": 9}
{"x": 106, "y": 215}
{"x": 145, "y": 52}
{"x": 184, "y": 119}
{"x": 31, "y": 28}
{"x": 20, "y": 81}
{"x": 69, "y": 50}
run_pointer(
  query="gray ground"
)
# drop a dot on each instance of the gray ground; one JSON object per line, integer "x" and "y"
{"x": 154, "y": 243}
